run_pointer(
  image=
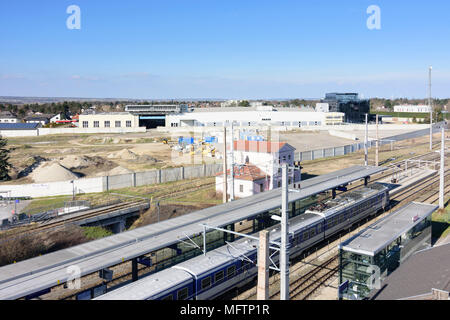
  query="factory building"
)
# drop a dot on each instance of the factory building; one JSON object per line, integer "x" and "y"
{"x": 350, "y": 104}
{"x": 122, "y": 120}
{"x": 412, "y": 108}
{"x": 251, "y": 117}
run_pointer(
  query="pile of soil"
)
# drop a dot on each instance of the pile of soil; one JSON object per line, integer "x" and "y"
{"x": 125, "y": 154}
{"x": 76, "y": 162}
{"x": 51, "y": 172}
{"x": 118, "y": 170}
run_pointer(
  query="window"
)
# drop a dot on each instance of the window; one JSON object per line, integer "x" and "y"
{"x": 312, "y": 232}
{"x": 183, "y": 294}
{"x": 96, "y": 124}
{"x": 305, "y": 235}
{"x": 218, "y": 276}
{"x": 206, "y": 283}
{"x": 85, "y": 124}
{"x": 284, "y": 158}
{"x": 118, "y": 124}
{"x": 231, "y": 271}
{"x": 241, "y": 188}
{"x": 168, "y": 298}
{"x": 107, "y": 124}
{"x": 261, "y": 187}
{"x": 289, "y": 157}
{"x": 128, "y": 124}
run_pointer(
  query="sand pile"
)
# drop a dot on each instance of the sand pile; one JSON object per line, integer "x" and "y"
{"x": 76, "y": 162}
{"x": 114, "y": 172}
{"x": 125, "y": 154}
{"x": 118, "y": 170}
{"x": 50, "y": 172}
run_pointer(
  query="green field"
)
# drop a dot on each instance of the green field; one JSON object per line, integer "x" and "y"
{"x": 401, "y": 114}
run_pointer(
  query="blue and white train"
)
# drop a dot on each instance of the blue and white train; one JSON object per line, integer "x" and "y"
{"x": 209, "y": 276}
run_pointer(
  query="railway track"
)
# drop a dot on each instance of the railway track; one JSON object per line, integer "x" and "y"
{"x": 305, "y": 282}
{"x": 54, "y": 224}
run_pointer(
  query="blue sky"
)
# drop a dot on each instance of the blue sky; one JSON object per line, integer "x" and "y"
{"x": 223, "y": 49}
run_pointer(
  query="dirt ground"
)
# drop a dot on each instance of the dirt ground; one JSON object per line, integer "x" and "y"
{"x": 91, "y": 155}
{"x": 107, "y": 154}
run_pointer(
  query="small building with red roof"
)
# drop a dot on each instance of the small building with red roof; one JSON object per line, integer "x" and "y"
{"x": 257, "y": 167}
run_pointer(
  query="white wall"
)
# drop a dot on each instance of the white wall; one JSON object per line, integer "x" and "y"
{"x": 49, "y": 131}
{"x": 18, "y": 133}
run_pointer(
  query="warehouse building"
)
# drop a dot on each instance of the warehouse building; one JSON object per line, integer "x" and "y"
{"x": 412, "y": 108}
{"x": 19, "y": 129}
{"x": 251, "y": 117}
{"x": 108, "y": 120}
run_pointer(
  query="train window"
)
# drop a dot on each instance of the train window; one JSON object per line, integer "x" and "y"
{"x": 305, "y": 235}
{"x": 312, "y": 232}
{"x": 319, "y": 228}
{"x": 168, "y": 298}
{"x": 231, "y": 271}
{"x": 206, "y": 283}
{"x": 182, "y": 294}
{"x": 219, "y": 276}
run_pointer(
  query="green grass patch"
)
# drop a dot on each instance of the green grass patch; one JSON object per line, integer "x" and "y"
{"x": 402, "y": 114}
{"x": 46, "y": 204}
{"x": 441, "y": 223}
{"x": 93, "y": 233}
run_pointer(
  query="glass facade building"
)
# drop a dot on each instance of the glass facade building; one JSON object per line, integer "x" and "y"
{"x": 369, "y": 257}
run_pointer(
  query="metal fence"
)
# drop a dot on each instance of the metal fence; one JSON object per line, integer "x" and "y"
{"x": 351, "y": 148}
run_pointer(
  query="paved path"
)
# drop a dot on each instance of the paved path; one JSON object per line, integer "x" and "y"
{"x": 6, "y": 209}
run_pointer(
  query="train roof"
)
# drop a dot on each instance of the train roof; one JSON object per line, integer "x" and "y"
{"x": 149, "y": 286}
{"x": 215, "y": 259}
{"x": 330, "y": 207}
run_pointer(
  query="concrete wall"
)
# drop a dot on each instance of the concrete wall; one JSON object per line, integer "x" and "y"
{"x": 107, "y": 183}
{"x": 49, "y": 131}
{"x": 18, "y": 133}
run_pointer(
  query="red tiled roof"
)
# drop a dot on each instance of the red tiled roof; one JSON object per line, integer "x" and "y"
{"x": 258, "y": 146}
{"x": 246, "y": 172}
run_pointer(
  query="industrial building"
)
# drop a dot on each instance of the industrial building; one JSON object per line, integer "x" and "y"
{"x": 350, "y": 104}
{"x": 412, "y": 108}
{"x": 108, "y": 120}
{"x": 153, "y": 116}
{"x": 19, "y": 129}
{"x": 252, "y": 117}
{"x": 369, "y": 257}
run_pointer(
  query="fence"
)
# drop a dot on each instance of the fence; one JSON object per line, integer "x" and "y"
{"x": 107, "y": 183}
{"x": 344, "y": 150}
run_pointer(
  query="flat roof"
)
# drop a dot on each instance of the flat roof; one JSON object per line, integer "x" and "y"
{"x": 418, "y": 275}
{"x": 379, "y": 235}
{"x": 39, "y": 273}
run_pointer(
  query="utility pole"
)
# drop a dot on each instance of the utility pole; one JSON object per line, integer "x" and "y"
{"x": 377, "y": 147}
{"x": 431, "y": 110}
{"x": 225, "y": 176}
{"x": 284, "y": 252}
{"x": 366, "y": 142}
{"x": 441, "y": 180}
{"x": 263, "y": 266}
{"x": 232, "y": 162}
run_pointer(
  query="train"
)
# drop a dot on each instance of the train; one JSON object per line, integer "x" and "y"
{"x": 232, "y": 266}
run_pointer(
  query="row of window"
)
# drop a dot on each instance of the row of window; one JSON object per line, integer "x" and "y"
{"x": 107, "y": 124}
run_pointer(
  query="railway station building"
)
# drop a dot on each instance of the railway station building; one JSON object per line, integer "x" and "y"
{"x": 367, "y": 258}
